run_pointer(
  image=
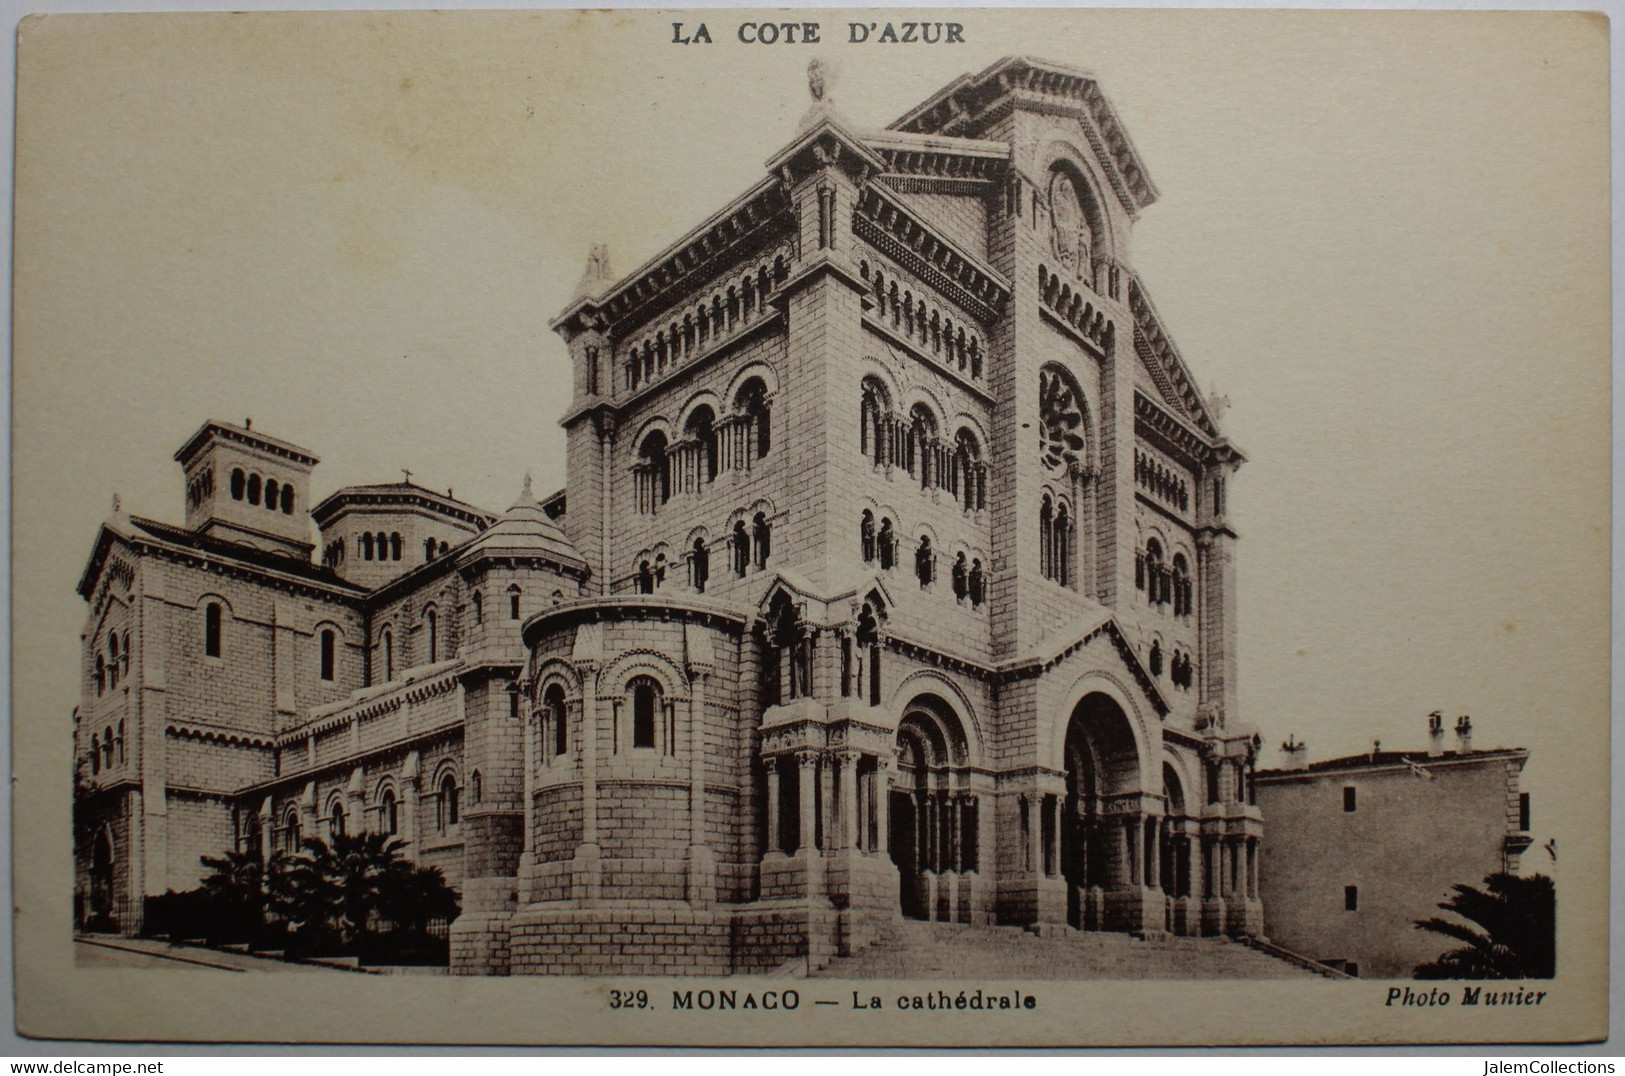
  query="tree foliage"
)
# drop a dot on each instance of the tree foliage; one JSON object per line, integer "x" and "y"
{"x": 329, "y": 896}
{"x": 1510, "y": 930}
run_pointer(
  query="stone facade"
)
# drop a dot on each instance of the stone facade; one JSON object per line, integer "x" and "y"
{"x": 893, "y": 577}
{"x": 1376, "y": 841}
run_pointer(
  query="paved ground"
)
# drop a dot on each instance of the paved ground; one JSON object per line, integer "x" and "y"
{"x": 113, "y": 951}
{"x": 915, "y": 950}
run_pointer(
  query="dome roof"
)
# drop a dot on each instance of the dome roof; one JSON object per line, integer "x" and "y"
{"x": 524, "y": 530}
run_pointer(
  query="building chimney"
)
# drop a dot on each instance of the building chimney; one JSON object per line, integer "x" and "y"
{"x": 1464, "y": 735}
{"x": 1297, "y": 754}
{"x": 1435, "y": 734}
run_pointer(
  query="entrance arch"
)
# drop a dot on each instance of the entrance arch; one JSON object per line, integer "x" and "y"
{"x": 1099, "y": 846}
{"x": 101, "y": 882}
{"x": 933, "y": 818}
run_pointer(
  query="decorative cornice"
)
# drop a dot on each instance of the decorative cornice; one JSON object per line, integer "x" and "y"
{"x": 1168, "y": 432}
{"x": 970, "y": 104}
{"x": 326, "y": 719}
{"x": 400, "y": 495}
{"x": 633, "y": 607}
{"x": 224, "y": 431}
{"x": 1164, "y": 363}
{"x": 198, "y": 730}
{"x": 751, "y": 223}
{"x": 897, "y": 232}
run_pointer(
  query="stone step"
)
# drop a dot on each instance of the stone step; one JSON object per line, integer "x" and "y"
{"x": 913, "y": 949}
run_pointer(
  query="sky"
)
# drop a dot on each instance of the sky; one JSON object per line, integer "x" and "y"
{"x": 1383, "y": 236}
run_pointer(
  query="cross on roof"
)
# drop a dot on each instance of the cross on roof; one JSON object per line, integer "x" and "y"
{"x": 407, "y": 474}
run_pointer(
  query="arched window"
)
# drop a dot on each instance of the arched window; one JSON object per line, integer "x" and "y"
{"x": 513, "y": 602}
{"x": 1154, "y": 572}
{"x": 751, "y": 401}
{"x": 395, "y": 546}
{"x": 389, "y": 812}
{"x": 872, "y": 421}
{"x": 431, "y": 624}
{"x": 254, "y": 490}
{"x": 961, "y": 577}
{"x": 922, "y": 443}
{"x": 1182, "y": 586}
{"x": 887, "y": 541}
{"x": 101, "y": 674}
{"x": 1063, "y": 547}
{"x": 970, "y": 474}
{"x": 290, "y": 831}
{"x": 653, "y": 474}
{"x": 443, "y": 548}
{"x": 95, "y": 754}
{"x": 112, "y": 658}
{"x": 107, "y": 748}
{"x": 479, "y": 608}
{"x": 428, "y": 549}
{"x": 335, "y": 819}
{"x": 211, "y": 630}
{"x": 976, "y": 584}
{"x": 119, "y": 740}
{"x": 389, "y": 655}
{"x": 699, "y": 566}
{"x": 366, "y": 547}
{"x": 558, "y": 718}
{"x": 646, "y": 578}
{"x": 381, "y": 540}
{"x": 329, "y": 653}
{"x": 272, "y": 488}
{"x": 287, "y": 500}
{"x": 866, "y": 535}
{"x": 702, "y": 430}
{"x": 761, "y": 533}
{"x": 741, "y": 548}
{"x": 478, "y": 787}
{"x": 238, "y": 483}
{"x": 1046, "y": 538}
{"x": 1155, "y": 659}
{"x": 925, "y": 563}
{"x": 646, "y": 705}
{"x": 446, "y": 805}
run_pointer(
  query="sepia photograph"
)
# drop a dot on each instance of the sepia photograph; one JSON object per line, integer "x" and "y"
{"x": 901, "y": 527}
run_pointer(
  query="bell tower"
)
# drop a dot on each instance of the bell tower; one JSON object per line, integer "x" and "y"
{"x": 247, "y": 488}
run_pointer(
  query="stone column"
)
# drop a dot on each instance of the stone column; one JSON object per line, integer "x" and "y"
{"x": 586, "y": 869}
{"x": 851, "y": 809}
{"x": 1035, "y": 832}
{"x": 809, "y": 761}
{"x": 882, "y": 797}
{"x": 1135, "y": 828}
{"x": 772, "y": 764}
{"x": 701, "y": 872}
{"x": 826, "y": 804}
{"x": 957, "y": 833}
{"x": 1153, "y": 853}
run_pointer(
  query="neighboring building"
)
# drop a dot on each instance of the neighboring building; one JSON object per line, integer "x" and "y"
{"x": 1362, "y": 847}
{"x": 894, "y": 579}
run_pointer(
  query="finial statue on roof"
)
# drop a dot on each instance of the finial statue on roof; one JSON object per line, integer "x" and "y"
{"x": 598, "y": 275}
{"x": 524, "y": 493}
{"x": 820, "y": 80}
{"x": 817, "y": 78}
{"x": 117, "y": 506}
{"x": 1217, "y": 402}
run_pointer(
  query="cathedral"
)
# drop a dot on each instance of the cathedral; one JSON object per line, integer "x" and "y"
{"x": 892, "y": 579}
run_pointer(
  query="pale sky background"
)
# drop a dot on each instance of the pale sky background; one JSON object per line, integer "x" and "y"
{"x": 1383, "y": 236}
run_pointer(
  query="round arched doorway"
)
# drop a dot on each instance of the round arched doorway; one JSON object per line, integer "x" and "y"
{"x": 934, "y": 817}
{"x": 1099, "y": 838}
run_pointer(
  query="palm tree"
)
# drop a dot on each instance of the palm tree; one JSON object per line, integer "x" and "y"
{"x": 234, "y": 896}
{"x": 1513, "y": 933}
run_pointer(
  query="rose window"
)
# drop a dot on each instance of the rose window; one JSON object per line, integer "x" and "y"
{"x": 1061, "y": 421}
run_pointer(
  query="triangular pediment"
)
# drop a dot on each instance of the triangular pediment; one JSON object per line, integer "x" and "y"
{"x": 1082, "y": 634}
{"x": 1166, "y": 367}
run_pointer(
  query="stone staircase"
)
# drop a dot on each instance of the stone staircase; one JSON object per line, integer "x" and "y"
{"x": 915, "y": 950}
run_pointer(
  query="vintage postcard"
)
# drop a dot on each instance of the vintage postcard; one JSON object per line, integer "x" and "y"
{"x": 853, "y": 527}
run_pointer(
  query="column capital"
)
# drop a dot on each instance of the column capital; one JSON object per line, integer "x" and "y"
{"x": 808, "y": 757}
